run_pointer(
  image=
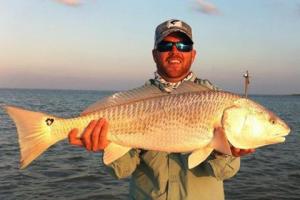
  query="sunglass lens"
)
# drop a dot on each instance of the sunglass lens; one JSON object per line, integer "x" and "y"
{"x": 184, "y": 47}
{"x": 164, "y": 46}
{"x": 167, "y": 46}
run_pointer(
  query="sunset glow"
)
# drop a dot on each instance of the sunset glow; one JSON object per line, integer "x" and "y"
{"x": 106, "y": 45}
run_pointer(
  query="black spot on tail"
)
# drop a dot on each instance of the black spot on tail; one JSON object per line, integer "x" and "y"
{"x": 49, "y": 121}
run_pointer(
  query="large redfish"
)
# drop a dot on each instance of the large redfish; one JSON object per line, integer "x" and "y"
{"x": 195, "y": 122}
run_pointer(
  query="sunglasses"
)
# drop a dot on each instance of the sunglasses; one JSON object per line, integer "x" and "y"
{"x": 165, "y": 46}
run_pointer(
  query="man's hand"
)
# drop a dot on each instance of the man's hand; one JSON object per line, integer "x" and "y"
{"x": 93, "y": 137}
{"x": 240, "y": 152}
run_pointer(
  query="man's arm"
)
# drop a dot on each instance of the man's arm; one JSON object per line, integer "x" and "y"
{"x": 224, "y": 166}
{"x": 124, "y": 166}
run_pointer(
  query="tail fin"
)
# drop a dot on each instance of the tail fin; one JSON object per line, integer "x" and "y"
{"x": 34, "y": 132}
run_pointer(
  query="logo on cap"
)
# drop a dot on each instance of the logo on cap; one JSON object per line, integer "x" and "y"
{"x": 176, "y": 23}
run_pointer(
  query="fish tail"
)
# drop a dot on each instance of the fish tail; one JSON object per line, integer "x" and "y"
{"x": 34, "y": 133}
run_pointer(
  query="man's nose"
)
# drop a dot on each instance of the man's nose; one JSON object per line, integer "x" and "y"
{"x": 174, "y": 49}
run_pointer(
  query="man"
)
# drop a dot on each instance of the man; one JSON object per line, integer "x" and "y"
{"x": 161, "y": 175}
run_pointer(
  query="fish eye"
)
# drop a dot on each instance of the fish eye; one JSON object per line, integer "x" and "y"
{"x": 272, "y": 121}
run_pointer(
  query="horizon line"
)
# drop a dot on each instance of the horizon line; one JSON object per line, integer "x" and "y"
{"x": 116, "y": 90}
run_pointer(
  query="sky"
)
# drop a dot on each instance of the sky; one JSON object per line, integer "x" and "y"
{"x": 107, "y": 44}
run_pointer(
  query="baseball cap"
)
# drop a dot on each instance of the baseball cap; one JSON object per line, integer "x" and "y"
{"x": 171, "y": 26}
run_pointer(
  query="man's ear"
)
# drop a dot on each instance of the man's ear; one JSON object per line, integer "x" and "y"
{"x": 154, "y": 55}
{"x": 194, "y": 53}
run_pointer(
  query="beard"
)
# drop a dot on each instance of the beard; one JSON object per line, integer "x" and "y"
{"x": 173, "y": 72}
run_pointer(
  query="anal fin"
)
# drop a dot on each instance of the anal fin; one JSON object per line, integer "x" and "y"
{"x": 114, "y": 151}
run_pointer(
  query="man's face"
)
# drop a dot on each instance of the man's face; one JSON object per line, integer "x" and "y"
{"x": 174, "y": 65}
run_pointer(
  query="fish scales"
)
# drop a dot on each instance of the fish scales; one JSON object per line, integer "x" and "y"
{"x": 187, "y": 118}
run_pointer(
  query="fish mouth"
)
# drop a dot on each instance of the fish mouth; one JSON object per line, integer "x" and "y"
{"x": 275, "y": 140}
{"x": 280, "y": 137}
{"x": 283, "y": 133}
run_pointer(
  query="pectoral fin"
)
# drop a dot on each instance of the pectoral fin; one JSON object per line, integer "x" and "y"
{"x": 199, "y": 156}
{"x": 114, "y": 151}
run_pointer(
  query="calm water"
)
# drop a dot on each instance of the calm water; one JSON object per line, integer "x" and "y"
{"x": 66, "y": 172}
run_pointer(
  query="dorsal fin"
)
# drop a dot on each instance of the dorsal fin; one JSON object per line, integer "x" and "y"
{"x": 140, "y": 93}
{"x": 124, "y": 97}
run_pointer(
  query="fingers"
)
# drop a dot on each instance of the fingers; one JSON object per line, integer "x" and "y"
{"x": 102, "y": 140}
{"x": 93, "y": 137}
{"x": 246, "y": 151}
{"x": 86, "y": 136}
{"x": 235, "y": 151}
{"x": 96, "y": 135}
{"x": 73, "y": 138}
{"x": 252, "y": 150}
{"x": 241, "y": 152}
